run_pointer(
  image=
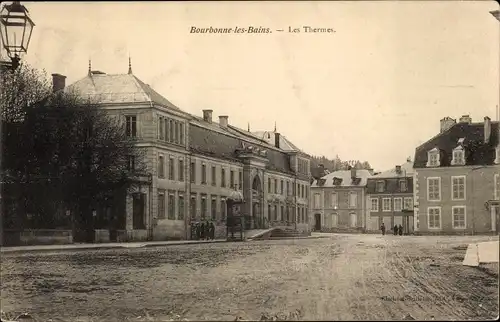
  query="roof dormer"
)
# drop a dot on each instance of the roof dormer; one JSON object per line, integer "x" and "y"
{"x": 458, "y": 156}
{"x": 433, "y": 158}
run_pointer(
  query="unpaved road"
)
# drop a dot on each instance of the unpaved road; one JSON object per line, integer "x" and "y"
{"x": 342, "y": 277}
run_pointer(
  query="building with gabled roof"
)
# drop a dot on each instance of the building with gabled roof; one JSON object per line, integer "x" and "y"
{"x": 390, "y": 198}
{"x": 339, "y": 200}
{"x": 457, "y": 183}
{"x": 195, "y": 163}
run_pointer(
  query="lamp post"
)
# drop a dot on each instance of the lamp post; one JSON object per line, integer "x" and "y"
{"x": 15, "y": 28}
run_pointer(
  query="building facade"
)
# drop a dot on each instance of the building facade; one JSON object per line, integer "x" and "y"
{"x": 194, "y": 164}
{"x": 339, "y": 201}
{"x": 390, "y": 199}
{"x": 457, "y": 181}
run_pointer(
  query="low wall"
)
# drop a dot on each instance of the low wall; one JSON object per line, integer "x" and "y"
{"x": 101, "y": 236}
{"x": 37, "y": 237}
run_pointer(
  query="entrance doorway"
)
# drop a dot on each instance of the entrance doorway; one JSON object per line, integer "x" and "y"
{"x": 317, "y": 222}
{"x": 138, "y": 206}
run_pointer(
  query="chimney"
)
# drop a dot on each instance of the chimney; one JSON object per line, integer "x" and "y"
{"x": 58, "y": 82}
{"x": 353, "y": 172}
{"x": 398, "y": 169}
{"x": 446, "y": 123}
{"x": 277, "y": 140}
{"x": 207, "y": 116}
{"x": 223, "y": 121}
{"x": 487, "y": 129}
{"x": 465, "y": 119}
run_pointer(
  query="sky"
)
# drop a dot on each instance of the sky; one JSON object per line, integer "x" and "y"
{"x": 373, "y": 90}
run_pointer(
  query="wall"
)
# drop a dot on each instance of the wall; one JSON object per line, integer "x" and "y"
{"x": 479, "y": 189}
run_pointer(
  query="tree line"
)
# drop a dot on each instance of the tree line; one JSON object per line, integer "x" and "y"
{"x": 337, "y": 163}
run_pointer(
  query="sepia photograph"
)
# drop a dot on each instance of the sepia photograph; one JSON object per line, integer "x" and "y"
{"x": 249, "y": 160}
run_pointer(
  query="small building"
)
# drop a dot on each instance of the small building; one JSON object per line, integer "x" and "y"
{"x": 457, "y": 183}
{"x": 339, "y": 201}
{"x": 390, "y": 199}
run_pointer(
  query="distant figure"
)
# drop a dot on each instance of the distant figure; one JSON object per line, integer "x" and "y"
{"x": 383, "y": 229}
{"x": 207, "y": 230}
{"x": 395, "y": 229}
{"x": 400, "y": 230}
{"x": 212, "y": 230}
{"x": 202, "y": 230}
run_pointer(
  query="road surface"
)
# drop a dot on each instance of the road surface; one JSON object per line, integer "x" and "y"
{"x": 342, "y": 277}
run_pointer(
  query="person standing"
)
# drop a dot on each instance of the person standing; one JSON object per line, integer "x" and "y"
{"x": 202, "y": 230}
{"x": 382, "y": 228}
{"x": 395, "y": 229}
{"x": 400, "y": 230}
{"x": 212, "y": 230}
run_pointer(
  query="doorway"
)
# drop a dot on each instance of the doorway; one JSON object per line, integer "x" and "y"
{"x": 317, "y": 222}
{"x": 139, "y": 203}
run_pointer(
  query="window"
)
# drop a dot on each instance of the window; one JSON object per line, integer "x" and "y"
{"x": 213, "y": 207}
{"x": 269, "y": 212}
{"x": 223, "y": 209}
{"x": 213, "y": 176}
{"x": 203, "y": 174}
{"x": 408, "y": 203}
{"x": 497, "y": 186}
{"x": 180, "y": 214}
{"x": 458, "y": 156}
{"x": 161, "y": 204}
{"x": 192, "y": 206}
{"x": 171, "y": 128}
{"x": 131, "y": 126}
{"x": 269, "y": 187}
{"x": 353, "y": 199}
{"x": 181, "y": 133}
{"x": 398, "y": 204}
{"x": 458, "y": 188}
{"x": 317, "y": 200}
{"x": 275, "y": 185}
{"x": 171, "y": 205}
{"x": 302, "y": 188}
{"x": 287, "y": 213}
{"x": 282, "y": 212}
{"x": 171, "y": 172}
{"x": 223, "y": 177}
{"x": 275, "y": 213}
{"x": 386, "y": 204}
{"x": 161, "y": 131}
{"x": 307, "y": 215}
{"x": 176, "y": 132}
{"x": 403, "y": 185}
{"x": 231, "y": 179}
{"x": 161, "y": 167}
{"x": 458, "y": 217}
{"x": 434, "y": 189}
{"x": 130, "y": 163}
{"x": 380, "y": 186}
{"x": 281, "y": 187}
{"x": 374, "y": 207}
{"x": 353, "y": 219}
{"x": 192, "y": 172}
{"x": 165, "y": 122}
{"x": 433, "y": 158}
{"x": 203, "y": 206}
{"x": 334, "y": 200}
{"x": 434, "y": 217}
{"x": 181, "y": 170}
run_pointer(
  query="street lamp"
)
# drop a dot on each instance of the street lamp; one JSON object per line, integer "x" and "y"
{"x": 15, "y": 28}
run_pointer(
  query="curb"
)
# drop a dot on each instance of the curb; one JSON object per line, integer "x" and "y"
{"x": 6, "y": 250}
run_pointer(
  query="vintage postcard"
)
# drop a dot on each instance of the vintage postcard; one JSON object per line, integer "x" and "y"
{"x": 249, "y": 160}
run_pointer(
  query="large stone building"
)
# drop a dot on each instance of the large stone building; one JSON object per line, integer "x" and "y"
{"x": 457, "y": 183}
{"x": 390, "y": 198}
{"x": 339, "y": 201}
{"x": 195, "y": 163}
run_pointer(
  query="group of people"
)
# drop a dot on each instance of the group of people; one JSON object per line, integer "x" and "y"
{"x": 204, "y": 230}
{"x": 398, "y": 229}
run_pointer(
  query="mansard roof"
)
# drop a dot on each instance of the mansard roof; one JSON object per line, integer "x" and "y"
{"x": 476, "y": 151}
